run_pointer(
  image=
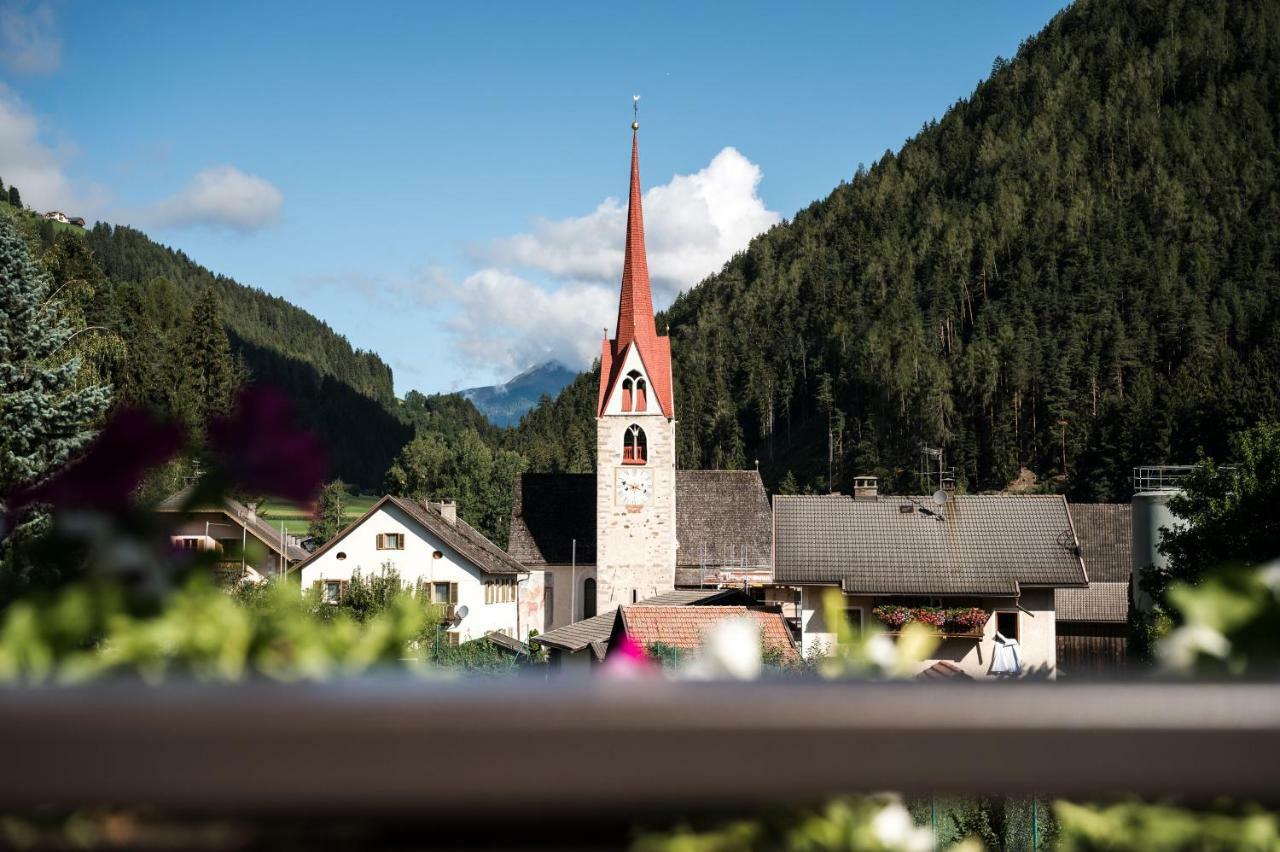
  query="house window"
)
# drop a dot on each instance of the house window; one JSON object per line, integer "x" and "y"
{"x": 1007, "y": 624}
{"x": 391, "y": 541}
{"x": 452, "y": 638}
{"x": 589, "y": 597}
{"x": 499, "y": 591}
{"x": 341, "y": 556}
{"x": 187, "y": 544}
{"x": 331, "y": 591}
{"x": 854, "y": 616}
{"x": 634, "y": 446}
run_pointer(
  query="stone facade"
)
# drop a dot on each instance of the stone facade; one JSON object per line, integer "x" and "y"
{"x": 635, "y": 545}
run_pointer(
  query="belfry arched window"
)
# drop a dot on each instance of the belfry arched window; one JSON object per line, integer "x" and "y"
{"x": 634, "y": 447}
{"x": 589, "y": 597}
{"x": 634, "y": 392}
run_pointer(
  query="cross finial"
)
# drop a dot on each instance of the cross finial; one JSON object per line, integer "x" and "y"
{"x": 635, "y": 112}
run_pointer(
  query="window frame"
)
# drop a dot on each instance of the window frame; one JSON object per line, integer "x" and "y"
{"x": 382, "y": 543}
{"x": 1017, "y": 623}
{"x": 635, "y": 445}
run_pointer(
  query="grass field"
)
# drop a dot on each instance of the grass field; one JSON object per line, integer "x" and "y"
{"x": 8, "y": 210}
{"x": 296, "y": 519}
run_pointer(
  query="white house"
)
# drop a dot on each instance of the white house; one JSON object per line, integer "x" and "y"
{"x": 427, "y": 543}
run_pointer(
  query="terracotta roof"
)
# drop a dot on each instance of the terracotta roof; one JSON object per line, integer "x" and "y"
{"x": 686, "y": 627}
{"x": 1105, "y": 531}
{"x": 722, "y": 518}
{"x": 595, "y": 631}
{"x": 981, "y": 544}
{"x": 943, "y": 670}
{"x": 235, "y": 511}
{"x": 467, "y": 541}
{"x": 1101, "y": 602}
{"x": 635, "y": 309}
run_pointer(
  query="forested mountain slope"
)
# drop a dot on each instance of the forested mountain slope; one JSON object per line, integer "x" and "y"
{"x": 1074, "y": 270}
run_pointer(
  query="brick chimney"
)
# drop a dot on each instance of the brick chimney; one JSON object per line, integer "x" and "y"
{"x": 865, "y": 488}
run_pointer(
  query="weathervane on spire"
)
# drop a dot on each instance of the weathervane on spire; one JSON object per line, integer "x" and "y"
{"x": 635, "y": 112}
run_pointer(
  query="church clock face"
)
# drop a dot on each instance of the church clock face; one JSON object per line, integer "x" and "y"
{"x": 635, "y": 486}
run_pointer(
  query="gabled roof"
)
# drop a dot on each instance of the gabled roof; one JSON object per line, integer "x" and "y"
{"x": 972, "y": 545}
{"x": 686, "y": 627}
{"x": 1105, "y": 531}
{"x": 722, "y": 519}
{"x": 943, "y": 670}
{"x": 1101, "y": 603}
{"x": 467, "y": 541}
{"x": 595, "y": 631}
{"x": 635, "y": 309}
{"x": 235, "y": 511}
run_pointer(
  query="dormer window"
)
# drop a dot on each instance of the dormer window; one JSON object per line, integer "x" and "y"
{"x": 634, "y": 392}
{"x": 634, "y": 448}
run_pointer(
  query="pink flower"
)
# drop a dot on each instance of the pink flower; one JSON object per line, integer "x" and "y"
{"x": 627, "y": 660}
{"x": 105, "y": 477}
{"x": 261, "y": 447}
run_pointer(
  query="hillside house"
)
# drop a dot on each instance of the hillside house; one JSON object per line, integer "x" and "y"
{"x": 249, "y": 548}
{"x": 57, "y": 216}
{"x": 428, "y": 545}
{"x": 1003, "y": 555}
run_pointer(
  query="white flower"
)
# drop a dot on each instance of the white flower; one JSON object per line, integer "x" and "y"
{"x": 1269, "y": 574}
{"x": 893, "y": 829}
{"x": 881, "y": 651}
{"x": 1180, "y": 648}
{"x": 730, "y": 651}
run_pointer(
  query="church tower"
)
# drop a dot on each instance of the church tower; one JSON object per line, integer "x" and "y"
{"x": 635, "y": 436}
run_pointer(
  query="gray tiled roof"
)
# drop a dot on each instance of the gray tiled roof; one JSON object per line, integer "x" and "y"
{"x": 978, "y": 545}
{"x": 595, "y": 631}
{"x": 239, "y": 513}
{"x": 1101, "y": 602}
{"x": 469, "y": 542}
{"x": 722, "y": 517}
{"x": 1105, "y": 531}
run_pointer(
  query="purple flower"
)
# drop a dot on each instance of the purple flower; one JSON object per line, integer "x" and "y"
{"x": 112, "y": 466}
{"x": 262, "y": 448}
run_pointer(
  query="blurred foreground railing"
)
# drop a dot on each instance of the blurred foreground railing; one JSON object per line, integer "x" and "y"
{"x": 509, "y": 747}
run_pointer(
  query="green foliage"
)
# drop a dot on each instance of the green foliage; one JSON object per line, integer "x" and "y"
{"x": 1161, "y": 828}
{"x": 15, "y": 197}
{"x": 668, "y": 656}
{"x": 328, "y": 518}
{"x": 88, "y": 631}
{"x": 207, "y": 375}
{"x": 47, "y": 410}
{"x": 1227, "y": 515}
{"x": 479, "y": 477}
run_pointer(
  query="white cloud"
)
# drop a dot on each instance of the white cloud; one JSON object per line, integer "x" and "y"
{"x": 37, "y": 168}
{"x": 220, "y": 197}
{"x": 508, "y": 322}
{"x": 29, "y": 43}
{"x": 693, "y": 224}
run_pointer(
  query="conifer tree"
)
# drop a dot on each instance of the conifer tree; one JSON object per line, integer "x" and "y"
{"x": 328, "y": 519}
{"x": 207, "y": 375}
{"x": 15, "y": 199}
{"x": 46, "y": 414}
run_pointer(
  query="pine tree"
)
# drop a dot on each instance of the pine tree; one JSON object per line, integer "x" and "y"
{"x": 328, "y": 519}
{"x": 207, "y": 375}
{"x": 46, "y": 415}
{"x": 15, "y": 199}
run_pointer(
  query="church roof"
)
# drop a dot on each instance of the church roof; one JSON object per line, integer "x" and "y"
{"x": 635, "y": 310}
{"x": 722, "y": 518}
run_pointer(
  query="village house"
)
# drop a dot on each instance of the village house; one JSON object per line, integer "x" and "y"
{"x": 684, "y": 629}
{"x": 1093, "y": 623}
{"x": 995, "y": 561}
{"x": 586, "y": 642}
{"x": 429, "y": 547}
{"x": 249, "y": 548}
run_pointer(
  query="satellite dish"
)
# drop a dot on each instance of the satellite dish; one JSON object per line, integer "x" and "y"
{"x": 461, "y": 612}
{"x": 940, "y": 497}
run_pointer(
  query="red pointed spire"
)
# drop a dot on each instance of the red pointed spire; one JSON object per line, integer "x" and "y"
{"x": 635, "y": 307}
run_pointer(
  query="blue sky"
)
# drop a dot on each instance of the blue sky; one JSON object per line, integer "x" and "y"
{"x": 433, "y": 179}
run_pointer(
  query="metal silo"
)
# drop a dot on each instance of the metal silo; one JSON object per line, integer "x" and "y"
{"x": 1153, "y": 487}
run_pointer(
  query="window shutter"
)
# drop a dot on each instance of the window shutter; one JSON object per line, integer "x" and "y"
{"x": 401, "y": 541}
{"x": 379, "y": 545}
{"x": 453, "y": 593}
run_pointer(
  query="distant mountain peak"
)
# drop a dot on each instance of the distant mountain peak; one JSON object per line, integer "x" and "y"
{"x": 504, "y": 404}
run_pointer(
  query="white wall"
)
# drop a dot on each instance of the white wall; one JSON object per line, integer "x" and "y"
{"x": 1037, "y": 630}
{"x": 415, "y": 563}
{"x": 567, "y": 598}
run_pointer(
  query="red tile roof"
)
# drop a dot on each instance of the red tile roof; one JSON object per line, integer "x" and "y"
{"x": 635, "y": 310}
{"x": 685, "y": 627}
